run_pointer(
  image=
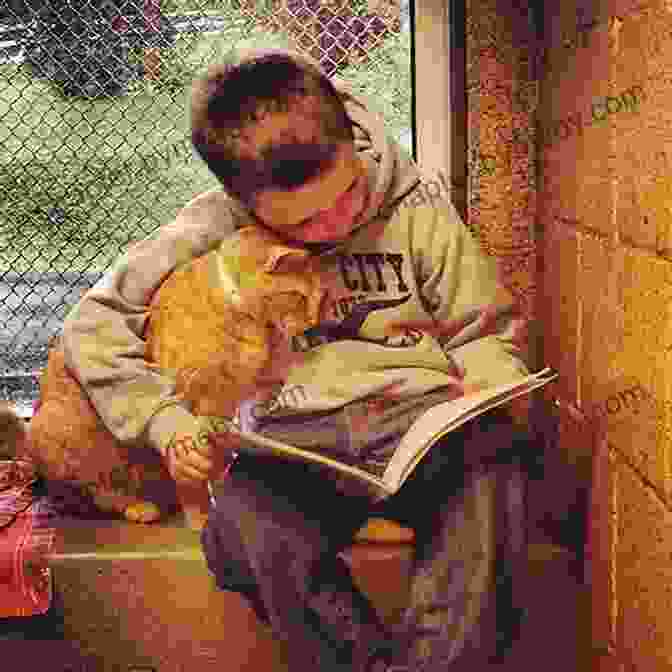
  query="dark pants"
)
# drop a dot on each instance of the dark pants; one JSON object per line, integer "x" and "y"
{"x": 276, "y": 530}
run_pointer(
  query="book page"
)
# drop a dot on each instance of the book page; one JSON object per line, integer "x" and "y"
{"x": 428, "y": 428}
{"x": 258, "y": 444}
{"x": 444, "y": 418}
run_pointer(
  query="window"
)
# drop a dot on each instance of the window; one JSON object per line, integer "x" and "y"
{"x": 93, "y": 130}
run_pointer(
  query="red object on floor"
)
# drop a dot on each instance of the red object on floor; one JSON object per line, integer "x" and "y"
{"x": 27, "y": 536}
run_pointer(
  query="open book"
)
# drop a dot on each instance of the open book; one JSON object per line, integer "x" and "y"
{"x": 431, "y": 426}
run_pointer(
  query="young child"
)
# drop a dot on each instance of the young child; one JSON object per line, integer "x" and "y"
{"x": 415, "y": 316}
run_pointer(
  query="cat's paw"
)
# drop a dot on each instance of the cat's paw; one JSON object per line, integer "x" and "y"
{"x": 195, "y": 519}
{"x": 142, "y": 512}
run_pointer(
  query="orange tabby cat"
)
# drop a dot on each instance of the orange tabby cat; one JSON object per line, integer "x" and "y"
{"x": 231, "y": 298}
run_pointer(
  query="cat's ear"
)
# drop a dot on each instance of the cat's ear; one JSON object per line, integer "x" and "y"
{"x": 283, "y": 259}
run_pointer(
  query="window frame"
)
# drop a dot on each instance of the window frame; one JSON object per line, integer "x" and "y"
{"x": 438, "y": 76}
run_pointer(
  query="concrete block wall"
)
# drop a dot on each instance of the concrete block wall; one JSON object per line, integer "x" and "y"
{"x": 501, "y": 95}
{"x": 503, "y": 51}
{"x": 605, "y": 296}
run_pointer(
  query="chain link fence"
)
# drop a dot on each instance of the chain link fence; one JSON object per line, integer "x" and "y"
{"x": 94, "y": 145}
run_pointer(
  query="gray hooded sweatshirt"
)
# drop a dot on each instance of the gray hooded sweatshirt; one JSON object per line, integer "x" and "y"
{"x": 344, "y": 386}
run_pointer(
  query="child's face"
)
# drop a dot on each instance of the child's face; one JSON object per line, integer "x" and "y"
{"x": 322, "y": 210}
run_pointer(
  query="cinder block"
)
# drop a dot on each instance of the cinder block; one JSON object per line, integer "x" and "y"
{"x": 601, "y": 570}
{"x": 598, "y": 284}
{"x": 569, "y": 46}
{"x": 595, "y": 197}
{"x": 574, "y": 143}
{"x": 627, "y": 8}
{"x": 626, "y": 415}
{"x": 640, "y": 93}
{"x": 582, "y": 138}
{"x": 640, "y": 39}
{"x": 646, "y": 294}
{"x": 558, "y": 303}
{"x": 643, "y": 573}
{"x": 625, "y": 350}
{"x": 577, "y": 183}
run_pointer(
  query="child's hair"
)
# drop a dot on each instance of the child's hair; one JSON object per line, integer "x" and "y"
{"x": 232, "y": 97}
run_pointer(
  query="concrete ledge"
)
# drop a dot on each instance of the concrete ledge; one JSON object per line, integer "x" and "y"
{"x": 140, "y": 597}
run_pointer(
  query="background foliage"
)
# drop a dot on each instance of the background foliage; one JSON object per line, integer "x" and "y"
{"x": 81, "y": 177}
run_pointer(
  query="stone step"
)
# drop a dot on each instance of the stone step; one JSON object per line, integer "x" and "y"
{"x": 140, "y": 598}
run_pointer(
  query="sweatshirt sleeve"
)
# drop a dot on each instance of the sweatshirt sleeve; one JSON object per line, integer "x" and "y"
{"x": 480, "y": 325}
{"x": 103, "y": 333}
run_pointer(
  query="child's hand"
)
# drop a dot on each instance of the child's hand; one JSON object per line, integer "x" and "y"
{"x": 436, "y": 329}
{"x": 196, "y": 452}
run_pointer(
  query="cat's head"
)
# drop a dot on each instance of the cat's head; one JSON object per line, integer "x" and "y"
{"x": 276, "y": 282}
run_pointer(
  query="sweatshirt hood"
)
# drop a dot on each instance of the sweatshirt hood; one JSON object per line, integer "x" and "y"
{"x": 392, "y": 174}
